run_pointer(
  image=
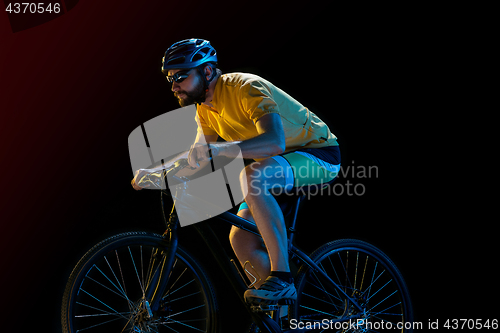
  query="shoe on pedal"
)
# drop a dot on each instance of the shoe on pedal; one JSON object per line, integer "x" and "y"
{"x": 273, "y": 291}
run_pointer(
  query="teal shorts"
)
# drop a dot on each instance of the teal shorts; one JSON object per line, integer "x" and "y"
{"x": 302, "y": 168}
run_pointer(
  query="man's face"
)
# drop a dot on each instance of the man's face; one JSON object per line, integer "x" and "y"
{"x": 190, "y": 89}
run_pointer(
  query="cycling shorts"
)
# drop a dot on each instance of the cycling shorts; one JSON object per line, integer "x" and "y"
{"x": 306, "y": 167}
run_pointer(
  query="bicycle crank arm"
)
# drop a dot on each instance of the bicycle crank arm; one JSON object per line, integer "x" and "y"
{"x": 269, "y": 325}
{"x": 265, "y": 307}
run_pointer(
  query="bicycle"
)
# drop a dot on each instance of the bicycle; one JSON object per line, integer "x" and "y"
{"x": 146, "y": 282}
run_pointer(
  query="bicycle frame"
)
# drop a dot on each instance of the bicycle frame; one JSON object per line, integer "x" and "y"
{"x": 264, "y": 322}
{"x": 155, "y": 267}
{"x": 249, "y": 226}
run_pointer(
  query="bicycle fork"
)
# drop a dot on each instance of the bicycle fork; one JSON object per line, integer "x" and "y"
{"x": 158, "y": 282}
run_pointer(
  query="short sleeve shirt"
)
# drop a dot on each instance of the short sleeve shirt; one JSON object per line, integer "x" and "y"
{"x": 240, "y": 100}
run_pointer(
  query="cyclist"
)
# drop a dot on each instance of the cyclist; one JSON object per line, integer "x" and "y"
{"x": 291, "y": 145}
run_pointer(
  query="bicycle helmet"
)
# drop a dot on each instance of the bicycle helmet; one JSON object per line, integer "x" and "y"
{"x": 188, "y": 53}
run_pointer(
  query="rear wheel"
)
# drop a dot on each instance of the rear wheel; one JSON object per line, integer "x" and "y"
{"x": 106, "y": 290}
{"x": 365, "y": 274}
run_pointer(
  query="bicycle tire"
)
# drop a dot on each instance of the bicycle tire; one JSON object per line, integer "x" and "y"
{"x": 105, "y": 290}
{"x": 366, "y": 274}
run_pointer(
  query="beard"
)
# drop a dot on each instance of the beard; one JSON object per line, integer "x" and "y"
{"x": 197, "y": 95}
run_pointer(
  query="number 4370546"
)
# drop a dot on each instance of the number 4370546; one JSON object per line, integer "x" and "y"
{"x": 31, "y": 7}
{"x": 471, "y": 324}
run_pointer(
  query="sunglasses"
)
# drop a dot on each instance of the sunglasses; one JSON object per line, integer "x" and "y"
{"x": 178, "y": 77}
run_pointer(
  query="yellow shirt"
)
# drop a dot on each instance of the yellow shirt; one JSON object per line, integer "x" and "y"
{"x": 241, "y": 99}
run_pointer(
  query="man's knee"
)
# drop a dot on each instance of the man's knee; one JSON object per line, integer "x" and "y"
{"x": 251, "y": 172}
{"x": 246, "y": 214}
{"x": 259, "y": 176}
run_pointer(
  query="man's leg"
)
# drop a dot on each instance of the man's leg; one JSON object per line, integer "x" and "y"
{"x": 249, "y": 246}
{"x": 260, "y": 178}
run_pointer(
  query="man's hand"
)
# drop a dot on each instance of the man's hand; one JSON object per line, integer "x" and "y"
{"x": 198, "y": 153}
{"x": 137, "y": 177}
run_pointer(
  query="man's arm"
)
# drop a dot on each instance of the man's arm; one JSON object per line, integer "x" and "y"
{"x": 269, "y": 142}
{"x": 200, "y": 140}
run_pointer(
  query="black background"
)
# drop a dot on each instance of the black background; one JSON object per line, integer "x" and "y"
{"x": 382, "y": 78}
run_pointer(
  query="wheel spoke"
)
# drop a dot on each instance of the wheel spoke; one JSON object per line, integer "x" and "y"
{"x": 116, "y": 278}
{"x": 191, "y": 309}
{"x": 356, "y": 271}
{"x": 96, "y": 325}
{"x": 371, "y": 284}
{"x": 173, "y": 284}
{"x": 121, "y": 273}
{"x": 186, "y": 325}
{"x": 113, "y": 310}
{"x": 364, "y": 271}
{"x": 109, "y": 294}
{"x": 322, "y": 288}
{"x": 379, "y": 290}
{"x": 366, "y": 276}
{"x": 373, "y": 307}
{"x": 315, "y": 310}
{"x": 182, "y": 297}
{"x": 121, "y": 293}
{"x": 317, "y": 279}
{"x": 136, "y": 272}
{"x": 104, "y": 312}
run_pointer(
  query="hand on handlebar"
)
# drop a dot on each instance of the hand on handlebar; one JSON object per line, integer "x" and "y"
{"x": 201, "y": 152}
{"x": 153, "y": 178}
{"x": 138, "y": 176}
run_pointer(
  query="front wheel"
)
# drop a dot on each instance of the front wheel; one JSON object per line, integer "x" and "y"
{"x": 106, "y": 290}
{"x": 365, "y": 274}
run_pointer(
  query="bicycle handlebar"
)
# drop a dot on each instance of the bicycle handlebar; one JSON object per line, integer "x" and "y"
{"x": 156, "y": 178}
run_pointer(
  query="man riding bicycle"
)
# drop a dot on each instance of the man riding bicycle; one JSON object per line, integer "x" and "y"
{"x": 291, "y": 145}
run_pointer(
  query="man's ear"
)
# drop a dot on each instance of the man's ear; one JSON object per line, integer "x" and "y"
{"x": 209, "y": 72}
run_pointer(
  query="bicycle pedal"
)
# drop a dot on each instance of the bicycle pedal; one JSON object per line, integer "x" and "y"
{"x": 258, "y": 301}
{"x": 265, "y": 307}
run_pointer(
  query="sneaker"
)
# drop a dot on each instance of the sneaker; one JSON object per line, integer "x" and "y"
{"x": 272, "y": 291}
